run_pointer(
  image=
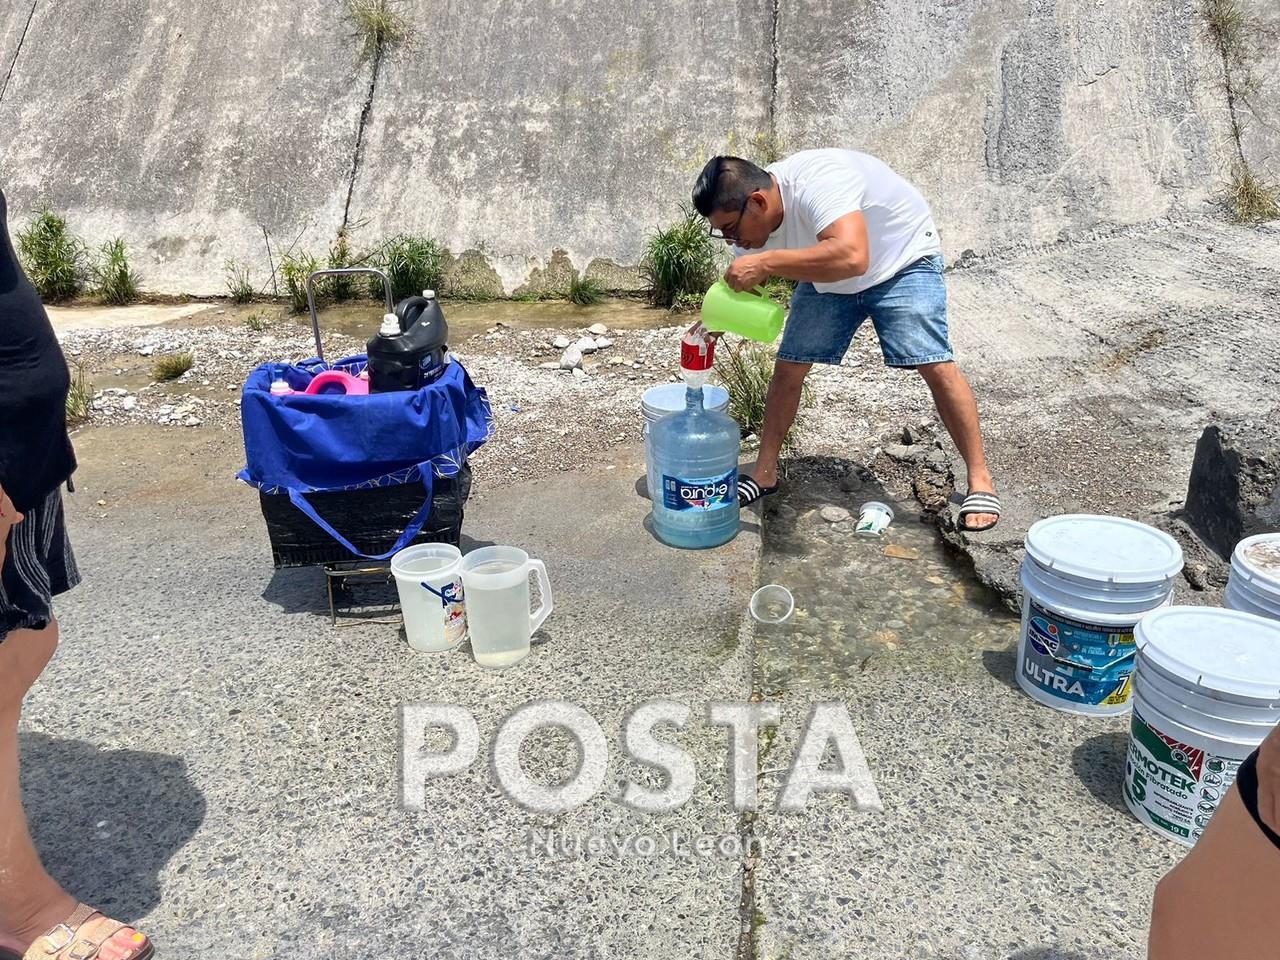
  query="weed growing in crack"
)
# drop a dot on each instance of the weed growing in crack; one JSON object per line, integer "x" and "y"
{"x": 379, "y": 26}
{"x": 1251, "y": 199}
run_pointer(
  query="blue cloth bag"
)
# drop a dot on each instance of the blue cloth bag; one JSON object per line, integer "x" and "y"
{"x": 304, "y": 443}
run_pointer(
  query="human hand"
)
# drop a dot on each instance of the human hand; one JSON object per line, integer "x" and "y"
{"x": 9, "y": 518}
{"x": 747, "y": 272}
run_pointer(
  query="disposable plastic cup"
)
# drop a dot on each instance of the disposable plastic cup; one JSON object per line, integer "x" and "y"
{"x": 772, "y": 603}
{"x": 873, "y": 519}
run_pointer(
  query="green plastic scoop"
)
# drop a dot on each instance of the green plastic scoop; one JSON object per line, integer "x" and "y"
{"x": 750, "y": 315}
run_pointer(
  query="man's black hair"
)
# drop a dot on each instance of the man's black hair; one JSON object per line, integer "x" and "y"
{"x": 726, "y": 182}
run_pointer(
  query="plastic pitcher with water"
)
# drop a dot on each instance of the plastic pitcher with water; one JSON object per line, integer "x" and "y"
{"x": 750, "y": 315}
{"x": 496, "y": 580}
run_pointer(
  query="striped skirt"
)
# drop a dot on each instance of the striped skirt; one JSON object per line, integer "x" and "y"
{"x": 38, "y": 566}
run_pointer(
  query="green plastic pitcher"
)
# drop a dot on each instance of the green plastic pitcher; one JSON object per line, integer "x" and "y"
{"x": 750, "y": 315}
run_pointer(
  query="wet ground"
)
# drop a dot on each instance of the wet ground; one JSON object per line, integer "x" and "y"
{"x": 902, "y": 598}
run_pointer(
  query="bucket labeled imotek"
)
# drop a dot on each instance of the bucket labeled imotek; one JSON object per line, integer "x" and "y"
{"x": 1087, "y": 580}
{"x": 1206, "y": 694}
{"x": 1254, "y": 584}
{"x": 666, "y": 399}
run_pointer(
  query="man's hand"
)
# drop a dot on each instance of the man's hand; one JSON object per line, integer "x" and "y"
{"x": 747, "y": 272}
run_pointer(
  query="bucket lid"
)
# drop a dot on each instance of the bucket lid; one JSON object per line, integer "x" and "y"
{"x": 1225, "y": 651}
{"x": 670, "y": 397}
{"x": 1104, "y": 549}
{"x": 1257, "y": 559}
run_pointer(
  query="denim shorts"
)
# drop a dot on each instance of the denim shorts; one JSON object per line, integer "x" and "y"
{"x": 909, "y": 312}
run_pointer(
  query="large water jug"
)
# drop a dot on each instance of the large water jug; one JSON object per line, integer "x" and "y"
{"x": 409, "y": 350}
{"x": 695, "y": 460}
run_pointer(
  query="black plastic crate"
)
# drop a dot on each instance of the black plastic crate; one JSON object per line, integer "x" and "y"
{"x": 371, "y": 519}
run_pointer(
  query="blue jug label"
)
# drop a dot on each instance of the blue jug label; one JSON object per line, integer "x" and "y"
{"x": 708, "y": 493}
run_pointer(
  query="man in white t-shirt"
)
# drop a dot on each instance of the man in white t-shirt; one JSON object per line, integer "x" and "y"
{"x": 861, "y": 243}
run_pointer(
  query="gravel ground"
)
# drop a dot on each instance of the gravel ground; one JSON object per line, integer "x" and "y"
{"x": 549, "y": 420}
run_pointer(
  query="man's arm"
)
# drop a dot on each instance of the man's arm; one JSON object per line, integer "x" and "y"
{"x": 842, "y": 251}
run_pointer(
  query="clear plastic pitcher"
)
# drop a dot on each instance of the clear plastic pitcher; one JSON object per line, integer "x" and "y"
{"x": 496, "y": 580}
{"x": 429, "y": 580}
{"x": 749, "y": 315}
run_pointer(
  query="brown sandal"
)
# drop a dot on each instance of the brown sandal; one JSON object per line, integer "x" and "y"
{"x": 80, "y": 937}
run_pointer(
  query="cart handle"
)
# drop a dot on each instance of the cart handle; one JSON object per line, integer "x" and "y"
{"x": 338, "y": 272}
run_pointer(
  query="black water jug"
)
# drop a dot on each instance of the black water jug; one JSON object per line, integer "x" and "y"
{"x": 409, "y": 351}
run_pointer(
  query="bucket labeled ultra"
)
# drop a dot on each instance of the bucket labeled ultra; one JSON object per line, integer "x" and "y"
{"x": 1087, "y": 580}
{"x": 429, "y": 581}
{"x": 1254, "y": 584}
{"x": 666, "y": 399}
{"x": 1206, "y": 694}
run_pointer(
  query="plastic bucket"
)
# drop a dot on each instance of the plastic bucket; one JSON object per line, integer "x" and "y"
{"x": 429, "y": 581}
{"x": 1254, "y": 584}
{"x": 1087, "y": 581}
{"x": 669, "y": 398}
{"x": 1207, "y": 693}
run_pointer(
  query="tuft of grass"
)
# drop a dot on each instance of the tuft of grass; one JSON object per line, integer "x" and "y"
{"x": 114, "y": 281}
{"x": 172, "y": 366}
{"x": 295, "y": 268}
{"x": 56, "y": 261}
{"x": 80, "y": 396}
{"x": 379, "y": 26}
{"x": 340, "y": 256}
{"x": 238, "y": 283}
{"x": 1231, "y": 28}
{"x": 746, "y": 371}
{"x": 1251, "y": 200}
{"x": 680, "y": 260}
{"x": 413, "y": 263}
{"x": 584, "y": 291}
{"x": 255, "y": 322}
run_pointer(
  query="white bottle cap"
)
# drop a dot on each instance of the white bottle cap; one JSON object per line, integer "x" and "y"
{"x": 279, "y": 387}
{"x": 390, "y": 325}
{"x": 429, "y": 294}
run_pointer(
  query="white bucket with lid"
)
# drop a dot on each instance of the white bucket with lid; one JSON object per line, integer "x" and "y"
{"x": 1087, "y": 580}
{"x": 1206, "y": 694}
{"x": 1254, "y": 584}
{"x": 669, "y": 398}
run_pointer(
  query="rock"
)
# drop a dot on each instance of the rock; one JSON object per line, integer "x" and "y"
{"x": 603, "y": 343}
{"x": 571, "y": 359}
{"x": 597, "y": 329}
{"x": 911, "y": 436}
{"x": 579, "y": 373}
{"x": 129, "y": 403}
{"x": 586, "y": 345}
{"x": 897, "y": 451}
{"x": 115, "y": 392}
{"x": 617, "y": 361}
{"x": 901, "y": 553}
{"x": 146, "y": 351}
{"x": 852, "y": 480}
{"x": 549, "y": 366}
{"x": 833, "y": 514}
{"x": 561, "y": 342}
{"x": 165, "y": 410}
{"x": 192, "y": 421}
{"x": 1234, "y": 490}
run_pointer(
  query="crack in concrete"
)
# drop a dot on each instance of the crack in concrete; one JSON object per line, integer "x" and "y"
{"x": 365, "y": 112}
{"x": 773, "y": 75}
{"x": 18, "y": 50}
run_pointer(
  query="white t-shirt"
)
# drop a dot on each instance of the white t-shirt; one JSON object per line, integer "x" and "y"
{"x": 820, "y": 186}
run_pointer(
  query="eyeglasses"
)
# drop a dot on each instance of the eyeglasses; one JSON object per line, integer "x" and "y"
{"x": 732, "y": 233}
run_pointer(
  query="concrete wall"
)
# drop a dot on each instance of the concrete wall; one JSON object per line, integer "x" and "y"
{"x": 515, "y": 129}
{"x": 1258, "y": 110}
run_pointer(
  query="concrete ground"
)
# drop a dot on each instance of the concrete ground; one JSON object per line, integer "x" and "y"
{"x": 208, "y": 757}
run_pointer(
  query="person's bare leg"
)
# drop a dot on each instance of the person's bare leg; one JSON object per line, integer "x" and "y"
{"x": 958, "y": 408}
{"x": 30, "y": 900}
{"x": 781, "y": 405}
